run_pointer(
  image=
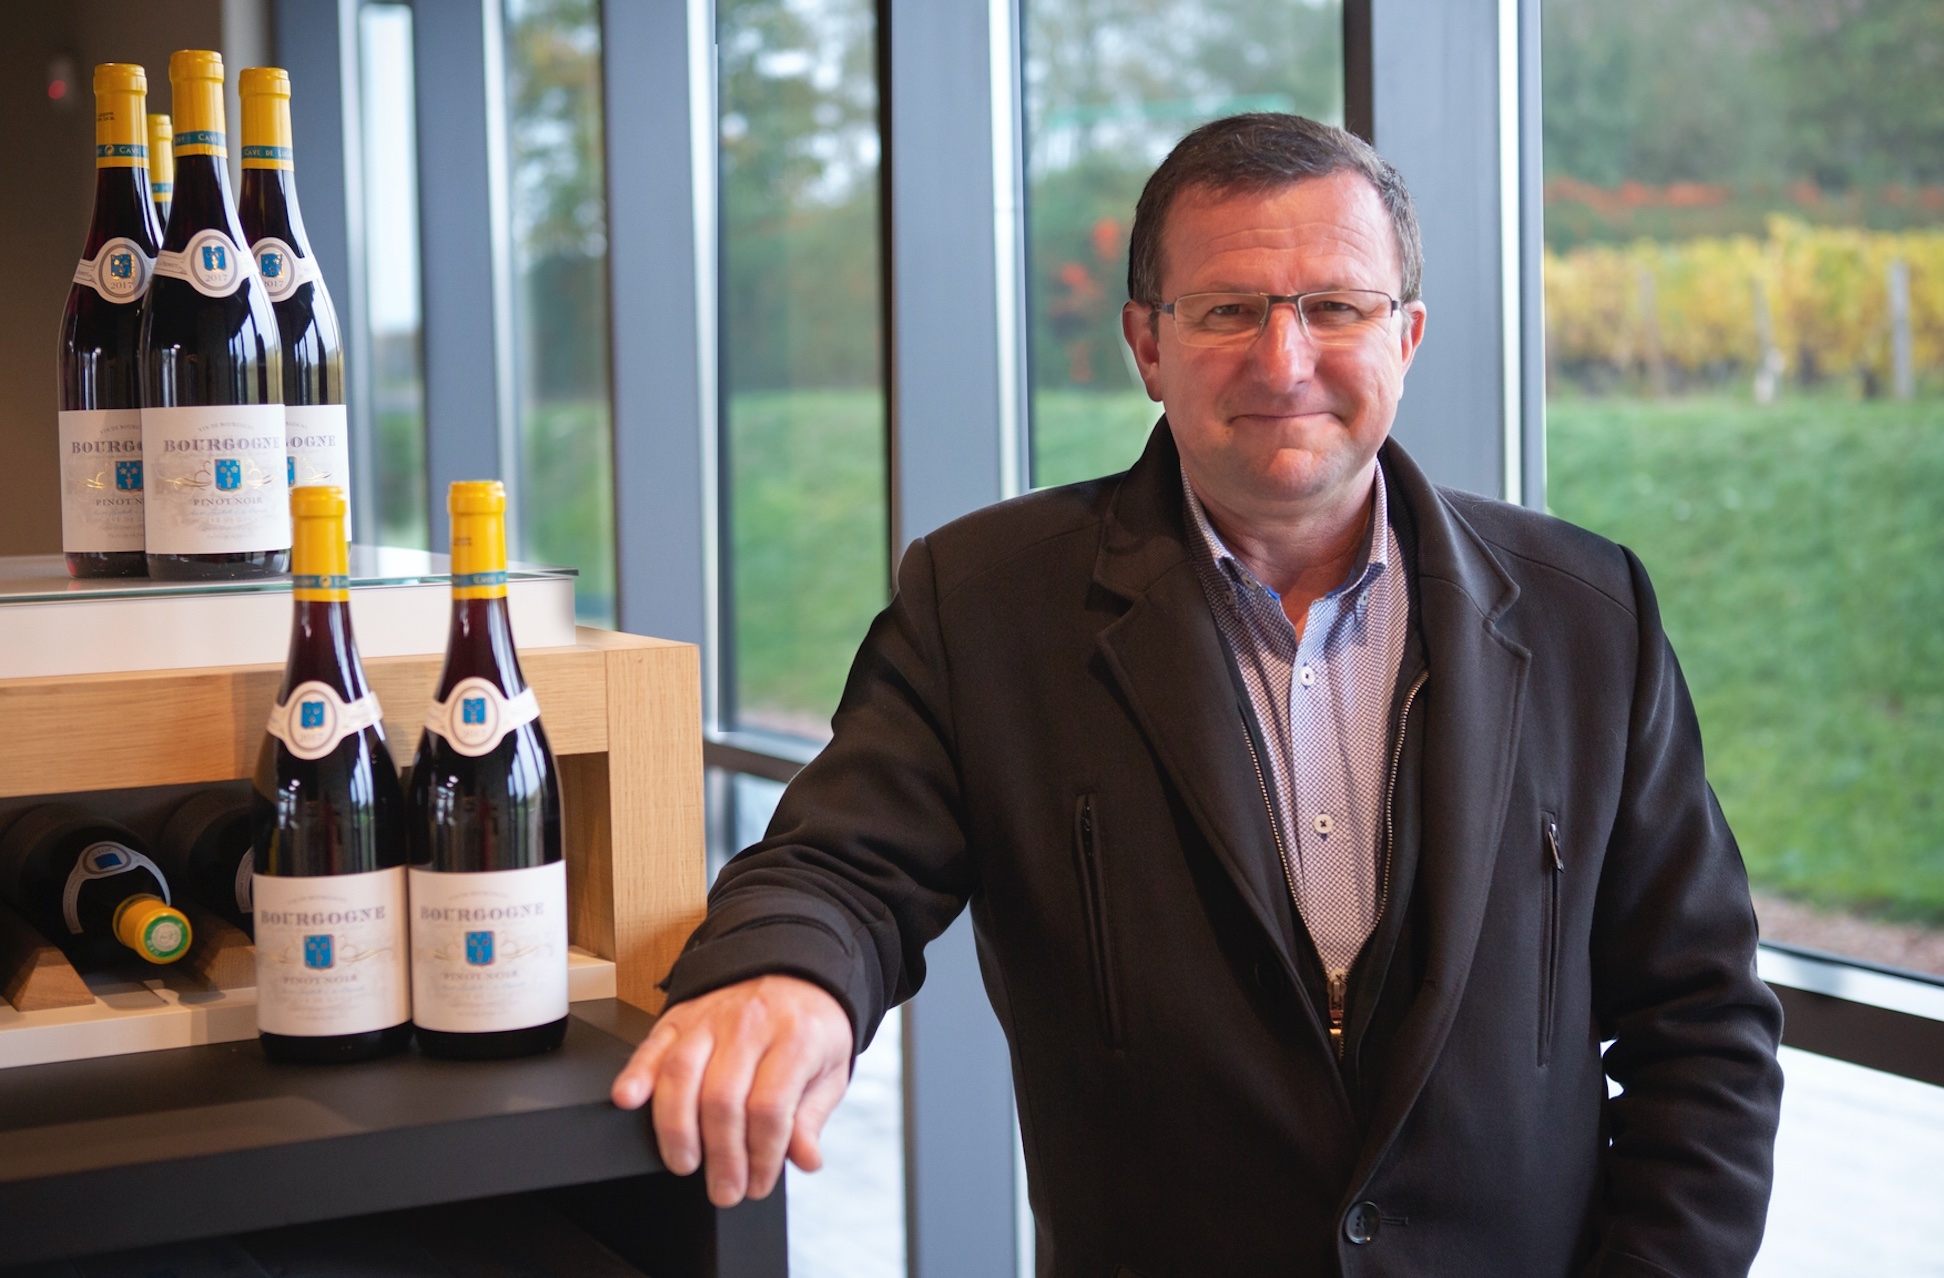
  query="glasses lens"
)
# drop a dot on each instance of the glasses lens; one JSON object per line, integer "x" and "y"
{"x": 1215, "y": 319}
{"x": 1345, "y": 317}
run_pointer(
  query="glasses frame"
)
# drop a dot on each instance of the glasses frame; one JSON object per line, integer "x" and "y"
{"x": 1270, "y": 302}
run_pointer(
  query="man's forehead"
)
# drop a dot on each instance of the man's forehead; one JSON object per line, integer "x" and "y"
{"x": 1337, "y": 214}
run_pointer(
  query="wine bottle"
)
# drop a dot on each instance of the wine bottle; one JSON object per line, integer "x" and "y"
{"x": 205, "y": 849}
{"x": 100, "y": 400}
{"x": 317, "y": 433}
{"x": 212, "y": 367}
{"x": 161, "y": 144}
{"x": 88, "y": 885}
{"x": 329, "y": 888}
{"x": 489, "y": 888}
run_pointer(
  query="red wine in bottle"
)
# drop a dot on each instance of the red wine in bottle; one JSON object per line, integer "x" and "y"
{"x": 88, "y": 885}
{"x": 205, "y": 848}
{"x": 218, "y": 498}
{"x": 101, "y": 387}
{"x": 161, "y": 142}
{"x": 489, "y": 888}
{"x": 317, "y": 433}
{"x": 329, "y": 889}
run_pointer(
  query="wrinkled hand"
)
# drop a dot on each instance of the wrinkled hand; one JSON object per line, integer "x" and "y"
{"x": 739, "y": 1078}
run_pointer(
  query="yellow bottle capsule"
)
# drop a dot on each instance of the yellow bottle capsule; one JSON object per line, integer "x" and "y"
{"x": 478, "y": 509}
{"x": 152, "y": 928}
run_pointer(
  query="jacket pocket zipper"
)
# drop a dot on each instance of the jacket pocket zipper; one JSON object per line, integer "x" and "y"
{"x": 1555, "y": 867}
{"x": 1087, "y": 828}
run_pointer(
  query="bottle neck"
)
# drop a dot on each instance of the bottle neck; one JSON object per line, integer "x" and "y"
{"x": 268, "y": 207}
{"x": 480, "y": 644}
{"x": 122, "y": 209}
{"x": 322, "y": 648}
{"x": 202, "y": 200}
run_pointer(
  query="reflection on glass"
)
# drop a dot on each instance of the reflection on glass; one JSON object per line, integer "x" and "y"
{"x": 803, "y": 449}
{"x": 391, "y": 237}
{"x": 1111, "y": 85}
{"x": 559, "y": 214}
{"x": 1745, "y": 360}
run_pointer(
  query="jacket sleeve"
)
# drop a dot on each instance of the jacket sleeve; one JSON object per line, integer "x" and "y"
{"x": 1693, "y": 1028}
{"x": 866, "y": 860}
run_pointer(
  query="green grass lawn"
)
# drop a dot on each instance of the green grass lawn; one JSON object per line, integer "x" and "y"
{"x": 1798, "y": 551}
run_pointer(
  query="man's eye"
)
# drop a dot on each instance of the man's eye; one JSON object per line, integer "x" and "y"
{"x": 1230, "y": 310}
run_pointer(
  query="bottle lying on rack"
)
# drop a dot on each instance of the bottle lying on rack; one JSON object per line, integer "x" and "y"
{"x": 316, "y": 431}
{"x": 205, "y": 849}
{"x": 100, "y": 393}
{"x": 489, "y": 888}
{"x": 88, "y": 885}
{"x": 161, "y": 144}
{"x": 218, "y": 493}
{"x": 329, "y": 889}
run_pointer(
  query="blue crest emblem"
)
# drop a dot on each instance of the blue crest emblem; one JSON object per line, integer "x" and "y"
{"x": 479, "y": 948}
{"x": 290, "y": 472}
{"x": 128, "y": 476}
{"x": 229, "y": 474}
{"x": 215, "y": 258}
{"x": 318, "y": 952}
{"x": 312, "y": 714}
{"x": 472, "y": 710}
{"x": 121, "y": 265}
{"x": 271, "y": 264}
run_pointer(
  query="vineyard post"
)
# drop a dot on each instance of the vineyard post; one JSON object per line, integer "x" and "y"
{"x": 1903, "y": 374}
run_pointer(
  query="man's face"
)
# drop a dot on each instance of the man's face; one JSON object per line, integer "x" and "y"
{"x": 1278, "y": 426}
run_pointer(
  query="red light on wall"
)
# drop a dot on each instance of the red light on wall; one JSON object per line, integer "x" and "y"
{"x": 62, "y": 77}
{"x": 56, "y": 90}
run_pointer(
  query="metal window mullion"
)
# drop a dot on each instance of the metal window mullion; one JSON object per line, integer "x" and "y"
{"x": 466, "y": 267}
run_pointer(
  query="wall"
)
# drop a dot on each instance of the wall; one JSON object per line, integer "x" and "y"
{"x": 50, "y": 177}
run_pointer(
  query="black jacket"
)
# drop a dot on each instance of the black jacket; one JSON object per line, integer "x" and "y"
{"x": 1044, "y": 723}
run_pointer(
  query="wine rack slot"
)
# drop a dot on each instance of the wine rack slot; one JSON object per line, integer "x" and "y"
{"x": 622, "y": 712}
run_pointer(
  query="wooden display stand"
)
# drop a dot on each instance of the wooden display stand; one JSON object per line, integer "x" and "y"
{"x": 622, "y": 713}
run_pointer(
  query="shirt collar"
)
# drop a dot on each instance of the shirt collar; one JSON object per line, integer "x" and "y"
{"x": 1370, "y": 565}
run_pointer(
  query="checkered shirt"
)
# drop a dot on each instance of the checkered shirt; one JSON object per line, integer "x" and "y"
{"x": 1323, "y": 706}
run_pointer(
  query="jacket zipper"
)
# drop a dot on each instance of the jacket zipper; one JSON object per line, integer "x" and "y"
{"x": 1096, "y": 905}
{"x": 1338, "y": 981}
{"x": 1549, "y": 983}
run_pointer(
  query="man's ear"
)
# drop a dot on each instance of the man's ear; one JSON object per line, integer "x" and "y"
{"x": 1412, "y": 335}
{"x": 1139, "y": 328}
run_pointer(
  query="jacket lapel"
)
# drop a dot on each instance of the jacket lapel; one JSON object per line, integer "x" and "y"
{"x": 1167, "y": 659}
{"x": 1473, "y": 703}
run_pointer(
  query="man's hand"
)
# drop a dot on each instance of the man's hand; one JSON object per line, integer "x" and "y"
{"x": 739, "y": 1077}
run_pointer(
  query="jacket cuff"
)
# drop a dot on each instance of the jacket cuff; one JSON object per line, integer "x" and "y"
{"x": 776, "y": 933}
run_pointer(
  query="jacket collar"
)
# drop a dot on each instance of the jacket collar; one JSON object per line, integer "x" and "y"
{"x": 1167, "y": 658}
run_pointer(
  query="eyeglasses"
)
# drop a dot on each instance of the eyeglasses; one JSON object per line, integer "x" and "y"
{"x": 1336, "y": 318}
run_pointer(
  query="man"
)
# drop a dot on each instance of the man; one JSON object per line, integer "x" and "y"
{"x": 1318, "y": 824}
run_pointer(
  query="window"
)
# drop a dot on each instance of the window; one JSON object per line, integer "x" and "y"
{"x": 391, "y": 269}
{"x": 559, "y": 243}
{"x": 803, "y": 437}
{"x": 1745, "y": 362}
{"x": 1111, "y": 86}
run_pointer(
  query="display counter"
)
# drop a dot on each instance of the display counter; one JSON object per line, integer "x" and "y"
{"x": 142, "y": 1112}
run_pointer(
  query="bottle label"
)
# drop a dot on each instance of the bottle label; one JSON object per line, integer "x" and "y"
{"x": 315, "y": 719}
{"x": 104, "y": 860}
{"x": 101, "y": 479}
{"x": 216, "y": 478}
{"x": 489, "y": 950}
{"x": 245, "y": 891}
{"x": 210, "y": 262}
{"x": 283, "y": 270}
{"x": 318, "y": 437}
{"x": 120, "y": 271}
{"x": 331, "y": 953}
{"x": 476, "y": 716}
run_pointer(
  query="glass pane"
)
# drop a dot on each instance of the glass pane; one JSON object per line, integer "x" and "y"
{"x": 1111, "y": 85}
{"x": 803, "y": 448}
{"x": 1745, "y": 358}
{"x": 559, "y": 210}
{"x": 391, "y": 237}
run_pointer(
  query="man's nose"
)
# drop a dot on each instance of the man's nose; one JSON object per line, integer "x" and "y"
{"x": 1283, "y": 349}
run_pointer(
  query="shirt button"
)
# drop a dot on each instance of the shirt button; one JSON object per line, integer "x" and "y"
{"x": 1306, "y": 676}
{"x": 1322, "y": 824}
